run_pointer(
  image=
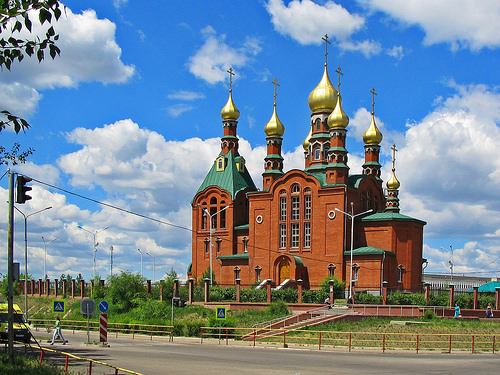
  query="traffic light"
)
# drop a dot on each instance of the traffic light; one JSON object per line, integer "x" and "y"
{"x": 22, "y": 189}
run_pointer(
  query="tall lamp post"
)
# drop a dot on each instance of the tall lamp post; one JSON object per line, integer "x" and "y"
{"x": 94, "y": 243}
{"x": 352, "y": 217}
{"x": 140, "y": 252}
{"x": 154, "y": 265}
{"x": 45, "y": 256}
{"x": 211, "y": 231}
{"x": 450, "y": 262}
{"x": 26, "y": 255}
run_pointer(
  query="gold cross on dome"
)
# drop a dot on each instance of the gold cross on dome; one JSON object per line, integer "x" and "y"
{"x": 373, "y": 99}
{"x": 275, "y": 83}
{"x": 393, "y": 148}
{"x": 231, "y": 74}
{"x": 340, "y": 74}
{"x": 325, "y": 38}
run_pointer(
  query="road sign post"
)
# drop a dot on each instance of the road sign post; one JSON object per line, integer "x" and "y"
{"x": 220, "y": 315}
{"x": 59, "y": 306}
{"x": 103, "y": 327}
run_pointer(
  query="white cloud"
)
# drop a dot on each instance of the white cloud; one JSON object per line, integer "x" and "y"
{"x": 19, "y": 99}
{"x": 178, "y": 109}
{"x": 307, "y": 22}
{"x": 186, "y": 95}
{"x": 89, "y": 53}
{"x": 215, "y": 56}
{"x": 462, "y": 24}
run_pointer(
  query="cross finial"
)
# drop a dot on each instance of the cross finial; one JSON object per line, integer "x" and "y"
{"x": 373, "y": 99}
{"x": 340, "y": 74}
{"x": 393, "y": 148}
{"x": 231, "y": 74}
{"x": 325, "y": 38}
{"x": 275, "y": 83}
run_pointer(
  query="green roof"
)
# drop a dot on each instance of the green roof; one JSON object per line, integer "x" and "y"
{"x": 229, "y": 179}
{"x": 355, "y": 180}
{"x": 390, "y": 216}
{"x": 369, "y": 250}
{"x": 487, "y": 288}
{"x": 298, "y": 261}
{"x": 234, "y": 256}
{"x": 241, "y": 227}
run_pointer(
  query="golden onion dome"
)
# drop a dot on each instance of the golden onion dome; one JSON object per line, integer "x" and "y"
{"x": 324, "y": 96}
{"x": 306, "y": 142}
{"x": 393, "y": 183}
{"x": 338, "y": 118}
{"x": 372, "y": 135}
{"x": 230, "y": 112}
{"x": 274, "y": 127}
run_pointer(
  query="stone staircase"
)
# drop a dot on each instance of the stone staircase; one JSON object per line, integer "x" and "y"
{"x": 304, "y": 319}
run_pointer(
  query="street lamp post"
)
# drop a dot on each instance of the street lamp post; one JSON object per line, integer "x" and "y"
{"x": 154, "y": 265}
{"x": 45, "y": 256}
{"x": 94, "y": 234}
{"x": 26, "y": 255}
{"x": 450, "y": 262}
{"x": 140, "y": 252}
{"x": 352, "y": 217}
{"x": 211, "y": 230}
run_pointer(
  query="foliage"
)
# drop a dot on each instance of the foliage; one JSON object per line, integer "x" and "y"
{"x": 98, "y": 290}
{"x": 125, "y": 291}
{"x": 206, "y": 275}
{"x": 429, "y": 315}
{"x": 17, "y": 16}
{"x": 286, "y": 295}
{"x": 26, "y": 366}
{"x": 253, "y": 295}
{"x": 399, "y": 298}
{"x": 4, "y": 286}
{"x": 338, "y": 288}
{"x": 278, "y": 308}
{"x": 167, "y": 286}
{"x": 368, "y": 299}
{"x": 14, "y": 157}
{"x": 219, "y": 294}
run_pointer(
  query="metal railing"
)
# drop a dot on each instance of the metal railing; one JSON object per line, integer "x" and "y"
{"x": 113, "y": 328}
{"x": 475, "y": 343}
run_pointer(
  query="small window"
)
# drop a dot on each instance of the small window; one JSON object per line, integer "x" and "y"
{"x": 318, "y": 124}
{"x": 241, "y": 165}
{"x": 401, "y": 271}
{"x": 236, "y": 273}
{"x": 282, "y": 208}
{"x": 207, "y": 245}
{"x": 294, "y": 241}
{"x": 317, "y": 153}
{"x": 204, "y": 217}
{"x": 245, "y": 244}
{"x": 355, "y": 270}
{"x": 258, "y": 269}
{"x": 220, "y": 163}
{"x": 331, "y": 270}
{"x": 307, "y": 234}
{"x": 282, "y": 236}
{"x": 218, "y": 241}
{"x": 307, "y": 206}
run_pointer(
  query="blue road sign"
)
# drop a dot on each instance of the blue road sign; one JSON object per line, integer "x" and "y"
{"x": 58, "y": 306}
{"x": 103, "y": 306}
{"x": 220, "y": 313}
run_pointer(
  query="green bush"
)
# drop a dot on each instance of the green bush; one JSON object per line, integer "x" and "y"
{"x": 125, "y": 291}
{"x": 287, "y": 295}
{"x": 399, "y": 298}
{"x": 429, "y": 315}
{"x": 278, "y": 308}
{"x": 219, "y": 294}
{"x": 253, "y": 295}
{"x": 368, "y": 299}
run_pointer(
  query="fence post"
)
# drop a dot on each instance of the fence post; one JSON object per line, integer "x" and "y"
{"x": 269, "y": 282}
{"x": 207, "y": 289}
{"x": 449, "y": 349}
{"x": 497, "y": 298}
{"x": 350, "y": 340}
{"x": 238, "y": 291}
{"x": 452, "y": 291}
{"x": 475, "y": 303}
{"x": 176, "y": 287}
{"x": 427, "y": 291}
{"x": 417, "y": 342}
{"x": 284, "y": 338}
{"x": 319, "y": 347}
{"x": 254, "y": 334}
{"x": 66, "y": 363}
{"x": 383, "y": 343}
{"x": 299, "y": 290}
{"x": 191, "y": 290}
{"x": 472, "y": 344}
{"x": 56, "y": 287}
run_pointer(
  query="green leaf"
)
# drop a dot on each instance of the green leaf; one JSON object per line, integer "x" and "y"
{"x": 40, "y": 55}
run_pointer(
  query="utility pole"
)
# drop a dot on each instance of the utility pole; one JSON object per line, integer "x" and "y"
{"x": 10, "y": 270}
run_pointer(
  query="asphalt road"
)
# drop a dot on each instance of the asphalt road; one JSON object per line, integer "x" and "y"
{"x": 188, "y": 356}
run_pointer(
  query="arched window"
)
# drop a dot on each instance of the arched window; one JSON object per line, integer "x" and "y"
{"x": 223, "y": 215}
{"x": 245, "y": 244}
{"x": 258, "y": 269}
{"x": 204, "y": 216}
{"x": 218, "y": 241}
{"x": 401, "y": 271}
{"x": 318, "y": 124}
{"x": 213, "y": 211}
{"x": 220, "y": 163}
{"x": 236, "y": 273}
{"x": 317, "y": 152}
{"x": 206, "y": 242}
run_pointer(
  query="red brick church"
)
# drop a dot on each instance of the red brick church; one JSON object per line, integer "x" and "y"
{"x": 298, "y": 227}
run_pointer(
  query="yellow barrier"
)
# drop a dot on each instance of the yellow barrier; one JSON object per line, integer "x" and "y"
{"x": 116, "y": 328}
{"x": 352, "y": 340}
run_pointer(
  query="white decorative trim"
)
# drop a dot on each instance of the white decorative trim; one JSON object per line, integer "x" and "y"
{"x": 332, "y": 214}
{"x": 259, "y": 219}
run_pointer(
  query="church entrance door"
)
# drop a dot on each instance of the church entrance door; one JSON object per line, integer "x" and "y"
{"x": 284, "y": 270}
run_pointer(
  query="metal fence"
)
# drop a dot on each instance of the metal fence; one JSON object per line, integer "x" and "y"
{"x": 474, "y": 343}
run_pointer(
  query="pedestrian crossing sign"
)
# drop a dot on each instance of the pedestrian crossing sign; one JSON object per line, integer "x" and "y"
{"x": 220, "y": 313}
{"x": 59, "y": 306}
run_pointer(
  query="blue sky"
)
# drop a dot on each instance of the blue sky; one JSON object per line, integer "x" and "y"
{"x": 129, "y": 114}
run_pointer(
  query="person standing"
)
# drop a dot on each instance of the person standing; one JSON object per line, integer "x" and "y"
{"x": 458, "y": 314}
{"x": 57, "y": 332}
{"x": 489, "y": 312}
